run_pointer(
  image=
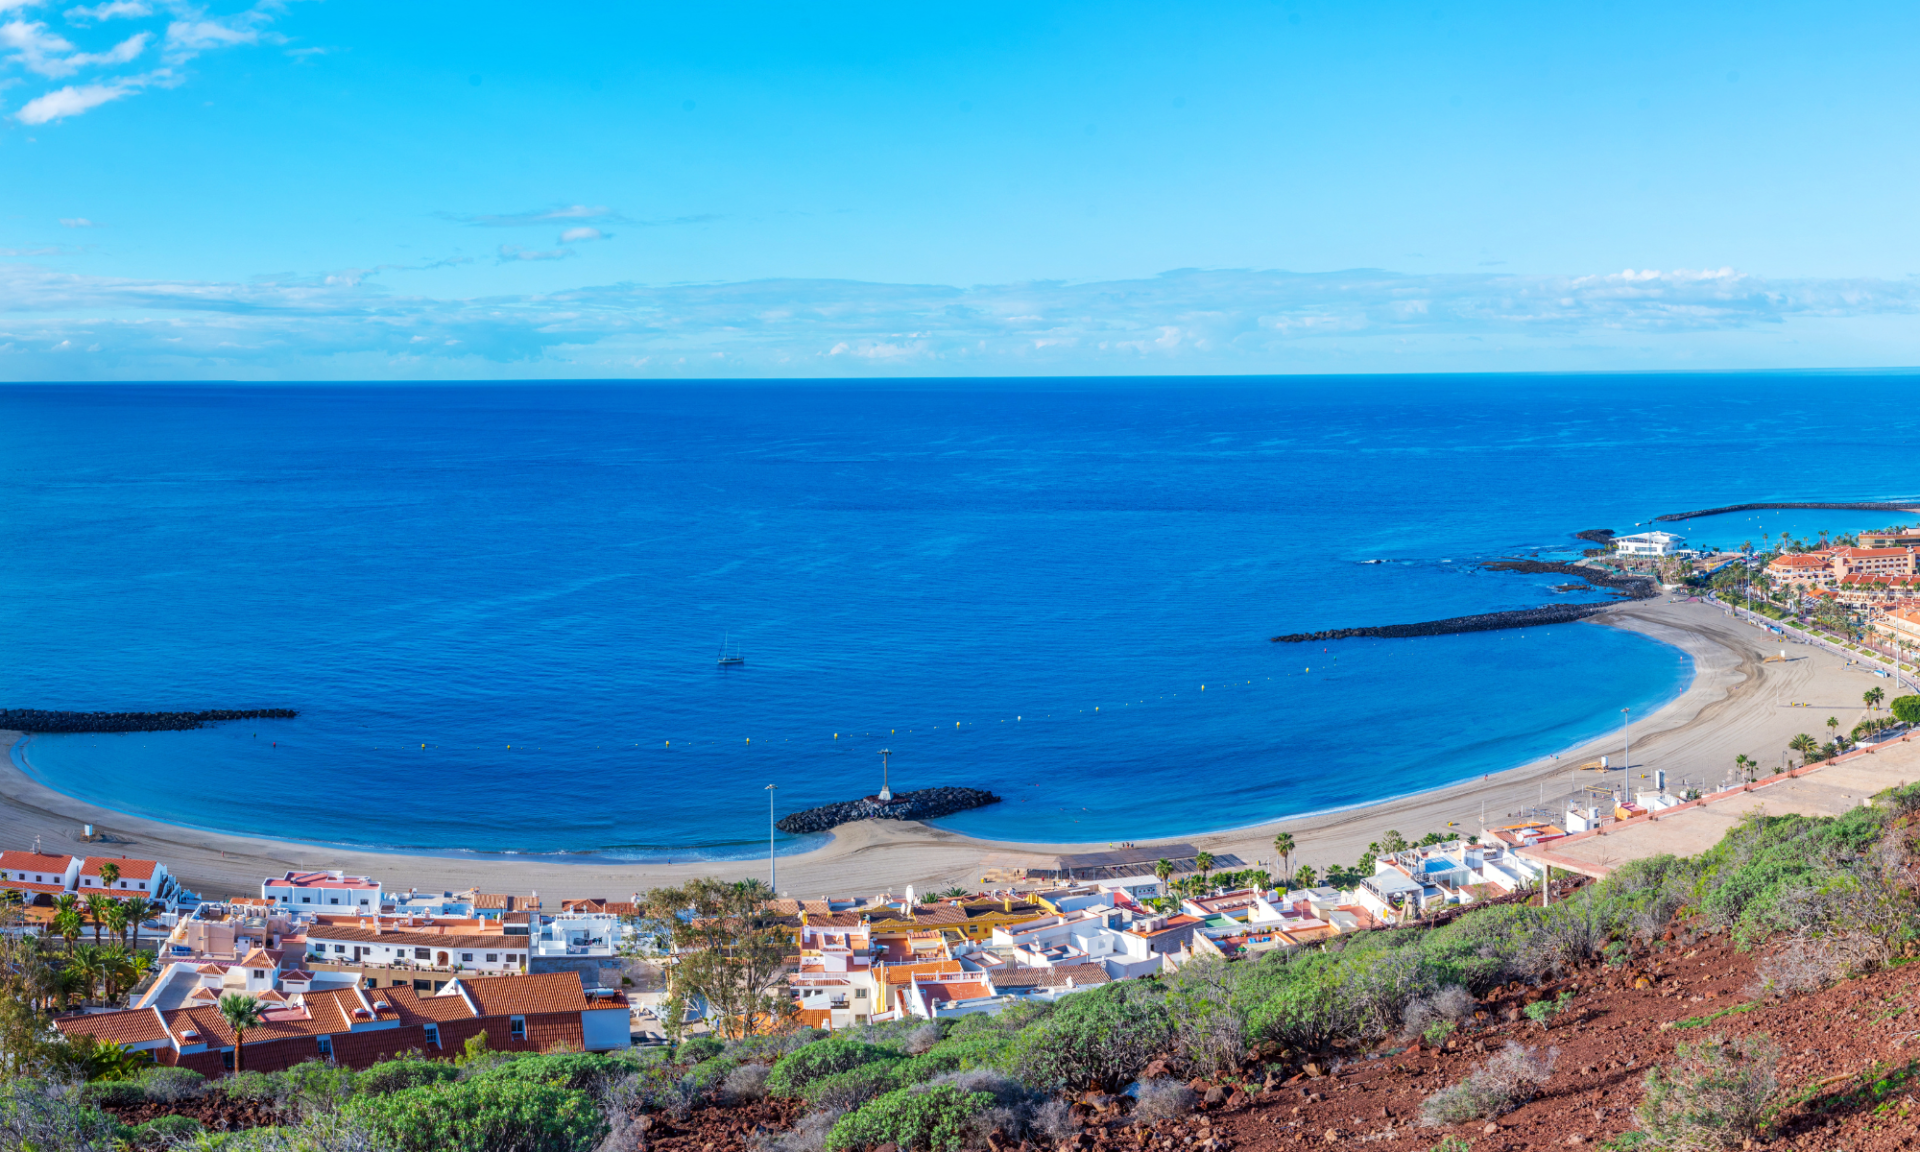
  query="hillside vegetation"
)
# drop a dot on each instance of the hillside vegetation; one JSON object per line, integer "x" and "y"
{"x": 1455, "y": 1028}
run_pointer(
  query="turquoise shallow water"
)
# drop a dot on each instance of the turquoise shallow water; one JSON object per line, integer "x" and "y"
{"x": 498, "y": 607}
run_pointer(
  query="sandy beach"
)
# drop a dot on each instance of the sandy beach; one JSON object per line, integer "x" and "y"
{"x": 1737, "y": 704}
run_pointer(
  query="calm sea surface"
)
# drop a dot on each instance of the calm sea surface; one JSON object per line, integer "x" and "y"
{"x": 498, "y": 607}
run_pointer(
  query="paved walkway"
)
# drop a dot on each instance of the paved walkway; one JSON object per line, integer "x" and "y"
{"x": 1817, "y": 790}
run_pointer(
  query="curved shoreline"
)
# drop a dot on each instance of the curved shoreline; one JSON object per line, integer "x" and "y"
{"x": 1727, "y": 707}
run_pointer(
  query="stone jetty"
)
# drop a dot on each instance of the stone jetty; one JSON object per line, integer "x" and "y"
{"x": 37, "y": 720}
{"x": 925, "y": 804}
{"x": 1625, "y": 587}
{"x": 1848, "y": 506}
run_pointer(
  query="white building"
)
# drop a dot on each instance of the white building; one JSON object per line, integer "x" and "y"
{"x": 1650, "y": 544}
{"x": 415, "y": 947}
{"x": 333, "y": 891}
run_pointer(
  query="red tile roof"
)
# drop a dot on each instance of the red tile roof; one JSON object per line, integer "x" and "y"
{"x": 33, "y": 862}
{"x": 137, "y": 1026}
{"x": 129, "y": 869}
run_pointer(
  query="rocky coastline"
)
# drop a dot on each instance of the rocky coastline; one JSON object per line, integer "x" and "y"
{"x": 924, "y": 804}
{"x": 40, "y": 721}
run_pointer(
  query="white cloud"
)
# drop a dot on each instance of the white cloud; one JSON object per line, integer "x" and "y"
{"x": 510, "y": 253}
{"x": 77, "y": 222}
{"x": 580, "y": 235}
{"x": 1227, "y": 321}
{"x": 72, "y": 100}
{"x": 189, "y": 38}
{"x": 111, "y": 10}
{"x": 35, "y": 48}
{"x": 522, "y": 219}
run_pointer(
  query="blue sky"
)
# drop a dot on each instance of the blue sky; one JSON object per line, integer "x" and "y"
{"x": 326, "y": 189}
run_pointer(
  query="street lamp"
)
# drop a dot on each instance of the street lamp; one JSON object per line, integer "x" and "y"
{"x": 1626, "y": 731}
{"x": 773, "y": 870}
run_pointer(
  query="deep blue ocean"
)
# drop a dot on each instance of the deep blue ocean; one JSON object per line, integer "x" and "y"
{"x": 498, "y": 607}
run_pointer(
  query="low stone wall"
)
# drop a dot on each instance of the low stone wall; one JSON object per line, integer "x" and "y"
{"x": 36, "y": 720}
{"x": 925, "y": 804}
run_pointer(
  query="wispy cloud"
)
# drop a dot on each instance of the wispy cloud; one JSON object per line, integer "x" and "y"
{"x": 189, "y": 31}
{"x": 510, "y": 253}
{"x": 582, "y": 235}
{"x": 111, "y": 10}
{"x": 546, "y": 216}
{"x": 1186, "y": 321}
{"x": 77, "y": 222}
{"x": 73, "y": 100}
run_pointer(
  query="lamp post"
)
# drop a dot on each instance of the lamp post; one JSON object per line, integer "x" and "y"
{"x": 1626, "y": 731}
{"x": 773, "y": 868}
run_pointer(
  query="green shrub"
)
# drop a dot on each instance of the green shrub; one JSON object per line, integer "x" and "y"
{"x": 1542, "y": 1012}
{"x": 482, "y": 1115}
{"x": 315, "y": 1086}
{"x": 1717, "y": 1095}
{"x": 171, "y": 1085}
{"x": 164, "y": 1131}
{"x": 848, "y": 1090}
{"x": 700, "y": 1048}
{"x": 710, "y": 1076}
{"x": 399, "y": 1075}
{"x": 119, "y": 1093}
{"x": 937, "y": 1118}
{"x": 252, "y": 1086}
{"x": 1104, "y": 1037}
{"x": 794, "y": 1071}
{"x": 577, "y": 1070}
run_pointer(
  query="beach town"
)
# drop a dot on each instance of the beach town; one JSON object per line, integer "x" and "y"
{"x": 360, "y": 962}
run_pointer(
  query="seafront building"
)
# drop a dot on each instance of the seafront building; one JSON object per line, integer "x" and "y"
{"x": 40, "y": 877}
{"x": 1650, "y": 544}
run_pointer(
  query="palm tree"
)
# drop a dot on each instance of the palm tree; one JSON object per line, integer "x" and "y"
{"x": 116, "y": 966}
{"x": 67, "y": 924}
{"x": 97, "y": 906}
{"x": 1805, "y": 745}
{"x": 241, "y": 1012}
{"x": 12, "y": 907}
{"x": 1833, "y": 727}
{"x": 1873, "y": 697}
{"x": 1162, "y": 869}
{"x": 109, "y": 872}
{"x": 1304, "y": 876}
{"x": 1203, "y": 861}
{"x": 86, "y": 960}
{"x": 138, "y": 909}
{"x": 1283, "y": 844}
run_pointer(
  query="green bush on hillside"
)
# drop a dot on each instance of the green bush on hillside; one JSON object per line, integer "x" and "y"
{"x": 163, "y": 1132}
{"x": 1101, "y": 1037}
{"x": 581, "y": 1071}
{"x": 1906, "y": 709}
{"x": 794, "y": 1071}
{"x": 700, "y": 1048}
{"x": 937, "y": 1117}
{"x": 482, "y": 1115}
{"x": 398, "y": 1075}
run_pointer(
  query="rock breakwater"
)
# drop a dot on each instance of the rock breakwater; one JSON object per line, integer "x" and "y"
{"x": 1626, "y": 587}
{"x": 1847, "y": 506}
{"x": 38, "y": 720}
{"x": 924, "y": 804}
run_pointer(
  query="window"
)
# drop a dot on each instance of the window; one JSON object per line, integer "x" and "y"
{"x": 493, "y": 957}
{"x": 335, "y": 900}
{"x": 433, "y": 1035}
{"x": 517, "y": 1028}
{"x": 305, "y": 899}
{"x": 326, "y": 1047}
{"x": 258, "y": 973}
{"x": 423, "y": 953}
{"x": 226, "y": 1058}
{"x": 466, "y": 957}
{"x": 339, "y": 947}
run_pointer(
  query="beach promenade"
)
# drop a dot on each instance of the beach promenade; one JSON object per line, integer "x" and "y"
{"x": 1738, "y": 704}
